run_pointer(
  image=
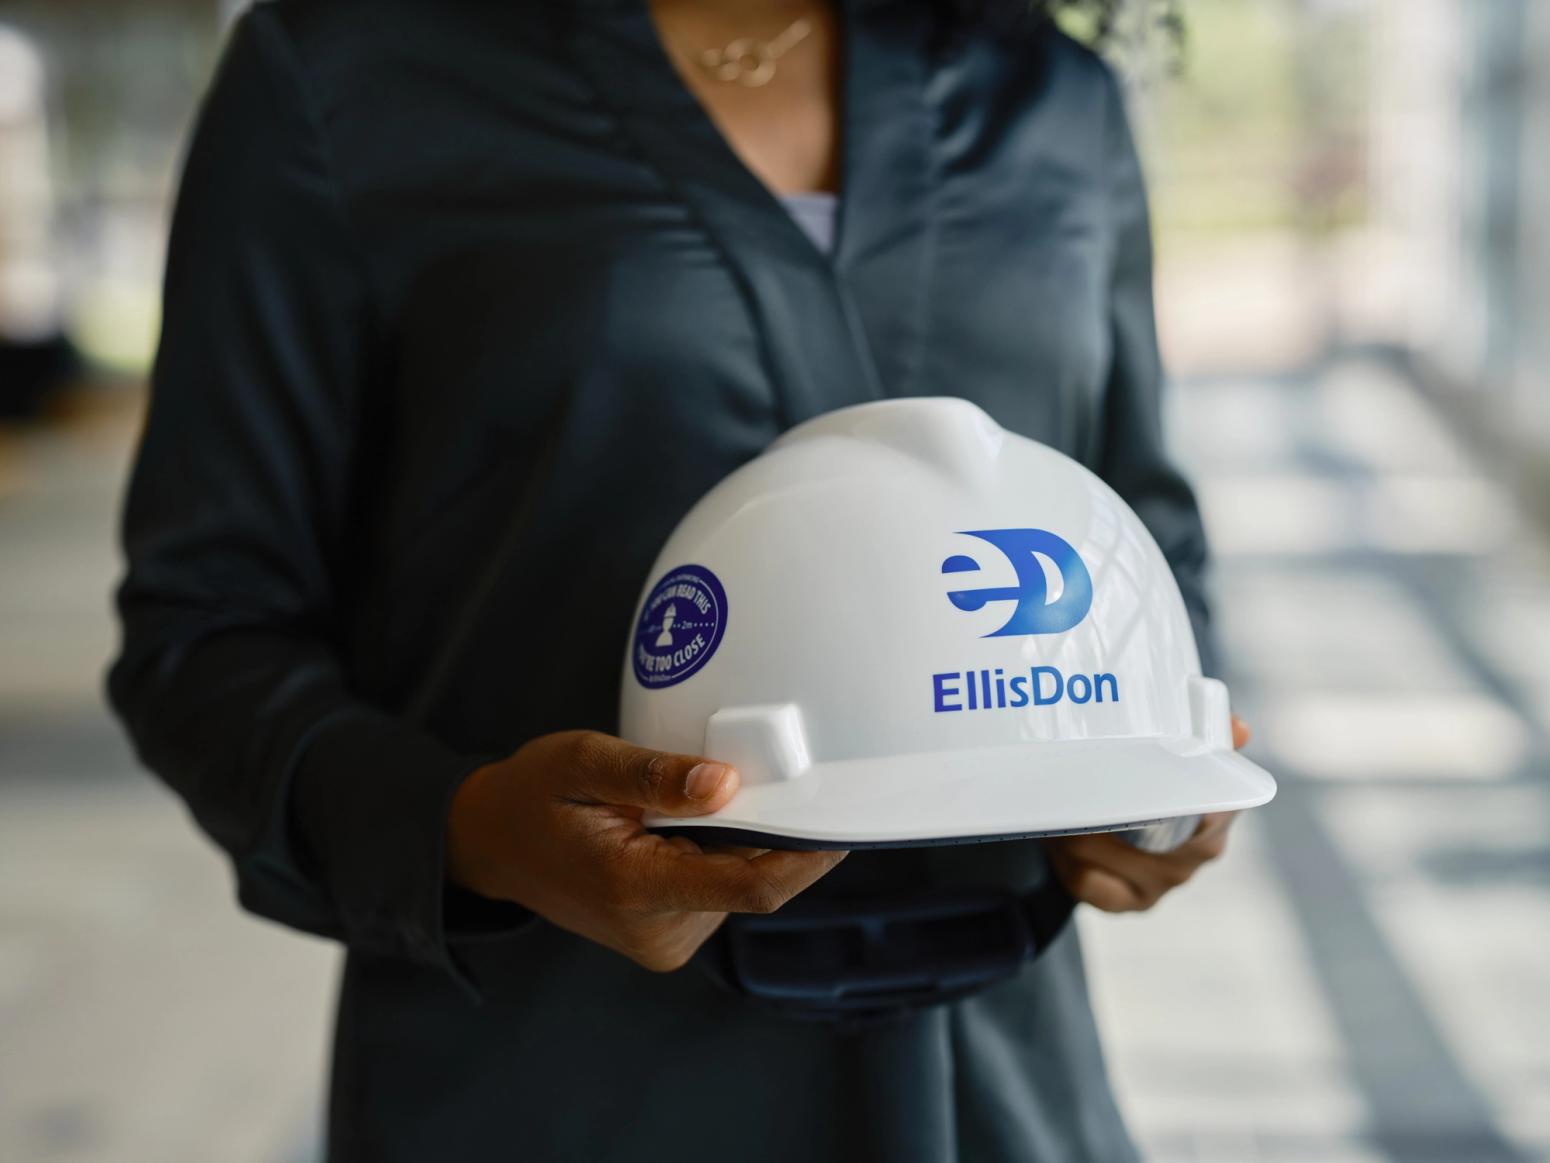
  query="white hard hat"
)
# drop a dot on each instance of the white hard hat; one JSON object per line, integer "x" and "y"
{"x": 905, "y": 625}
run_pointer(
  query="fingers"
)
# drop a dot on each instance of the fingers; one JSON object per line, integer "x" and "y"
{"x": 1148, "y": 876}
{"x": 599, "y": 768}
{"x": 676, "y": 898}
{"x": 1240, "y": 733}
{"x": 564, "y": 834}
{"x": 1210, "y": 838}
{"x": 667, "y": 877}
{"x": 1103, "y": 890}
{"x": 1108, "y": 873}
{"x": 794, "y": 872}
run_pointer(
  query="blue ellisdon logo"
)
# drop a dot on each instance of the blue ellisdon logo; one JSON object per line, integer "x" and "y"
{"x": 680, "y": 626}
{"x": 1034, "y": 613}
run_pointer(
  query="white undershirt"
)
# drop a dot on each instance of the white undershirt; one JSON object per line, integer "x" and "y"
{"x": 815, "y": 214}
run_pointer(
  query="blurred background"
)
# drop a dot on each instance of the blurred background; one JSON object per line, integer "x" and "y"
{"x": 1353, "y": 217}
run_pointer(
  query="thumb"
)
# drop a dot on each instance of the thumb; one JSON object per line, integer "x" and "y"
{"x": 607, "y": 770}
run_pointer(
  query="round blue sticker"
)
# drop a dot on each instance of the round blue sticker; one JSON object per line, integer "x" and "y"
{"x": 680, "y": 626}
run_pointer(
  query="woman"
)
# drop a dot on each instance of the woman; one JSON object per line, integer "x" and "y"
{"x": 466, "y": 304}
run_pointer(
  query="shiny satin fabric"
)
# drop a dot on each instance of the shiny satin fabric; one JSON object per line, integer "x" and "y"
{"x": 466, "y": 305}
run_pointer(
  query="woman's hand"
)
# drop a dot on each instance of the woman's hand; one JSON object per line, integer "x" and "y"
{"x": 556, "y": 828}
{"x": 1104, "y": 871}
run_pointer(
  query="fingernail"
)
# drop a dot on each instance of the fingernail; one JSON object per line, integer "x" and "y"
{"x": 704, "y": 780}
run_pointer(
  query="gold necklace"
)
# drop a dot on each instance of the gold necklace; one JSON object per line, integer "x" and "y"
{"x": 751, "y": 62}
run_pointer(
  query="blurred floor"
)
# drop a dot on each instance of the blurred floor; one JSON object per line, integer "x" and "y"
{"x": 1364, "y": 979}
{"x": 142, "y": 1018}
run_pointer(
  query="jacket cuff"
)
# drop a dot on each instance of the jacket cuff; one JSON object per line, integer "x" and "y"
{"x": 370, "y": 797}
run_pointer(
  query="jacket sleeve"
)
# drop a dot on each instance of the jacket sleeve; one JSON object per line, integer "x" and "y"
{"x": 237, "y": 528}
{"x": 1134, "y": 458}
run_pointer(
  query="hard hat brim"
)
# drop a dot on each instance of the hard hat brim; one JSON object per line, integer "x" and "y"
{"x": 984, "y": 794}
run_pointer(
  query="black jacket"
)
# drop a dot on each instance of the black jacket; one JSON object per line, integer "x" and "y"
{"x": 466, "y": 304}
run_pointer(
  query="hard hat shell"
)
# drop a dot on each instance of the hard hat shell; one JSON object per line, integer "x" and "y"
{"x": 905, "y": 625}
